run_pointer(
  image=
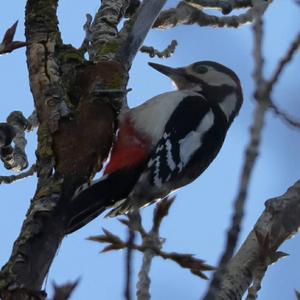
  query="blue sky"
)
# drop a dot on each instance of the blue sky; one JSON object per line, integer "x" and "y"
{"x": 201, "y": 214}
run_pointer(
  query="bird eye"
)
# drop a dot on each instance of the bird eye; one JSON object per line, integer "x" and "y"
{"x": 199, "y": 68}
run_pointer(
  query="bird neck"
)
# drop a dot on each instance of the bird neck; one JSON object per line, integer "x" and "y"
{"x": 227, "y": 98}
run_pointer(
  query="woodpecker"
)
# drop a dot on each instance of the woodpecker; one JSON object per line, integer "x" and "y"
{"x": 164, "y": 143}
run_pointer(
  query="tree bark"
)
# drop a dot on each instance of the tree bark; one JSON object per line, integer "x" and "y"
{"x": 77, "y": 103}
{"x": 279, "y": 222}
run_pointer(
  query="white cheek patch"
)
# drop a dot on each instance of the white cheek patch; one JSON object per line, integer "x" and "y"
{"x": 216, "y": 78}
{"x": 193, "y": 140}
{"x": 228, "y": 105}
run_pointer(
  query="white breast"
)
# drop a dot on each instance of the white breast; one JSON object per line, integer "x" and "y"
{"x": 192, "y": 141}
{"x": 152, "y": 116}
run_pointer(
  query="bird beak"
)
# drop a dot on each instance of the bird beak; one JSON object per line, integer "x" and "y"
{"x": 168, "y": 71}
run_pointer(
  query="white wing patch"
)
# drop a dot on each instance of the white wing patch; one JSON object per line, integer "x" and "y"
{"x": 193, "y": 140}
{"x": 170, "y": 160}
{"x": 188, "y": 145}
{"x": 228, "y": 105}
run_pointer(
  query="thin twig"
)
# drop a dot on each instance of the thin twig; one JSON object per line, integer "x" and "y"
{"x": 151, "y": 241}
{"x": 289, "y": 120}
{"x": 185, "y": 14}
{"x": 8, "y": 44}
{"x": 15, "y": 157}
{"x": 145, "y": 17}
{"x": 262, "y": 95}
{"x": 161, "y": 54}
{"x": 19, "y": 158}
{"x": 251, "y": 154}
{"x": 256, "y": 285}
{"x": 63, "y": 292}
{"x": 144, "y": 280}
{"x": 88, "y": 33}
{"x": 13, "y": 178}
{"x": 32, "y": 121}
{"x": 284, "y": 61}
{"x": 151, "y": 246}
{"x": 185, "y": 260}
{"x": 226, "y": 6}
{"x": 252, "y": 150}
{"x": 129, "y": 256}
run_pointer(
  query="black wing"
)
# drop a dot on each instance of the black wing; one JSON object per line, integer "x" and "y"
{"x": 192, "y": 129}
{"x": 192, "y": 138}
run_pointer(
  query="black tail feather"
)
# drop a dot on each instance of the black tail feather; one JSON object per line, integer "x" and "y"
{"x": 99, "y": 196}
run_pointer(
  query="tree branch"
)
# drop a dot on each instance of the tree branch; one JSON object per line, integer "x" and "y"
{"x": 146, "y": 15}
{"x": 284, "y": 62}
{"x": 161, "y": 54}
{"x": 18, "y": 161}
{"x": 104, "y": 30}
{"x": 251, "y": 154}
{"x": 87, "y": 27}
{"x": 284, "y": 116}
{"x": 8, "y": 44}
{"x": 64, "y": 292}
{"x": 129, "y": 258}
{"x": 185, "y": 14}
{"x": 151, "y": 246}
{"x": 7, "y": 134}
{"x": 279, "y": 222}
{"x": 226, "y": 6}
{"x": 13, "y": 178}
{"x": 15, "y": 158}
{"x": 43, "y": 36}
{"x": 80, "y": 99}
{"x": 41, "y": 234}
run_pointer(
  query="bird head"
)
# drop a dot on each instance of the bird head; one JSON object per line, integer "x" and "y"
{"x": 217, "y": 83}
{"x": 200, "y": 74}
